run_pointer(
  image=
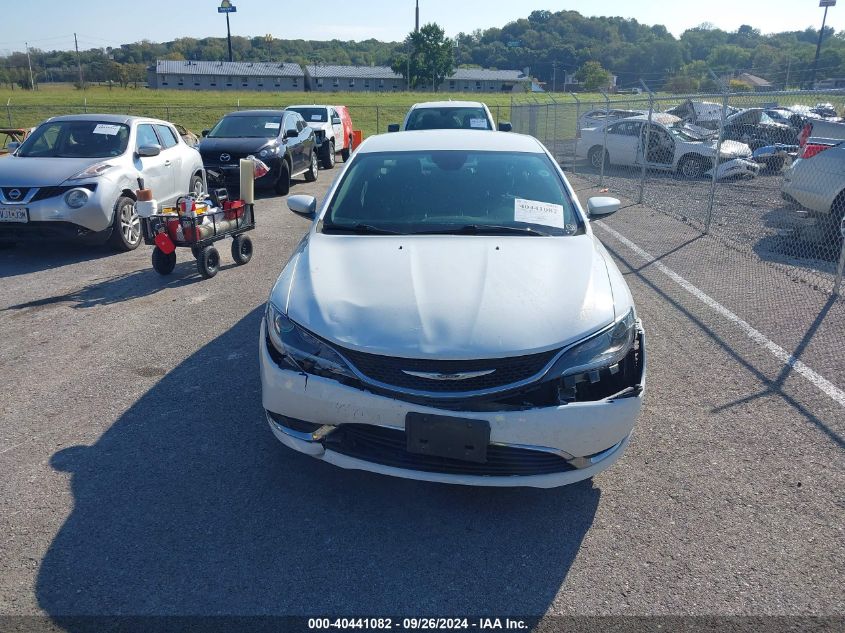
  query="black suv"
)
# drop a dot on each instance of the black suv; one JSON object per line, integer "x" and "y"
{"x": 281, "y": 139}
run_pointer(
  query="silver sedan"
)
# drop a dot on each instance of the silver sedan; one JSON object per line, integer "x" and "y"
{"x": 75, "y": 176}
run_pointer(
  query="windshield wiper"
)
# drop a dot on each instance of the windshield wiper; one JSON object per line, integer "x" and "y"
{"x": 484, "y": 229}
{"x": 362, "y": 229}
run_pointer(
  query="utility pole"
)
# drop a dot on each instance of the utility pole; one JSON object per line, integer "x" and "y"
{"x": 417, "y": 27}
{"x": 788, "y": 67}
{"x": 826, "y": 4}
{"x": 29, "y": 61}
{"x": 554, "y": 77}
{"x": 78, "y": 62}
{"x": 227, "y": 7}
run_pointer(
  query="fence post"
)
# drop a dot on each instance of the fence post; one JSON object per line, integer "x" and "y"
{"x": 167, "y": 109}
{"x": 712, "y": 197}
{"x": 577, "y": 127}
{"x": 647, "y": 139}
{"x": 85, "y": 105}
{"x": 837, "y": 287}
{"x": 378, "y": 122}
{"x": 604, "y": 141}
{"x": 9, "y": 110}
{"x": 498, "y": 115}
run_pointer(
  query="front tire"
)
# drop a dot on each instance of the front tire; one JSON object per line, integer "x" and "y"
{"x": 311, "y": 174}
{"x": 346, "y": 152}
{"x": 282, "y": 185}
{"x": 208, "y": 263}
{"x": 126, "y": 225}
{"x": 163, "y": 263}
{"x": 241, "y": 249}
{"x": 197, "y": 186}
{"x": 328, "y": 157}
{"x": 692, "y": 167}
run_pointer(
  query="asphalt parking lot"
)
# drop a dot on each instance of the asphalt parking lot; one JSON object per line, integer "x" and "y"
{"x": 139, "y": 477}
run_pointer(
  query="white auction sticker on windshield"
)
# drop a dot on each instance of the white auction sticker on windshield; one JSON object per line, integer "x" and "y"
{"x": 103, "y": 128}
{"x": 316, "y": 117}
{"x": 536, "y": 212}
{"x": 272, "y": 125}
{"x": 478, "y": 123}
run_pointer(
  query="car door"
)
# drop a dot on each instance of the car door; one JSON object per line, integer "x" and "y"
{"x": 337, "y": 126}
{"x": 293, "y": 142}
{"x": 179, "y": 185}
{"x": 661, "y": 146}
{"x": 155, "y": 170}
{"x": 622, "y": 141}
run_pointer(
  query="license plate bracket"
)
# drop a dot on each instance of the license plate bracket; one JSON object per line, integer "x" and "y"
{"x": 463, "y": 439}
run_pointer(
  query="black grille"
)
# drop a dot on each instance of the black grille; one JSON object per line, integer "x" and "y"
{"x": 45, "y": 193}
{"x": 23, "y": 193}
{"x": 384, "y": 446}
{"x": 213, "y": 158}
{"x": 389, "y": 370}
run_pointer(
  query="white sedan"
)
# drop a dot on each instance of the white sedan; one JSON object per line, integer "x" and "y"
{"x": 670, "y": 147}
{"x": 451, "y": 317}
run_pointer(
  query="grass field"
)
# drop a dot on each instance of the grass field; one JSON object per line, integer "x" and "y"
{"x": 371, "y": 112}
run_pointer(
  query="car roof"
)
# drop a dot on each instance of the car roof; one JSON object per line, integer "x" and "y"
{"x": 256, "y": 113}
{"x": 467, "y": 140}
{"x": 104, "y": 118}
{"x": 657, "y": 117}
{"x": 309, "y": 105}
{"x": 448, "y": 104}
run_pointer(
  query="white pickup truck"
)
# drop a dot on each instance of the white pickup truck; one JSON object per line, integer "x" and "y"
{"x": 332, "y": 127}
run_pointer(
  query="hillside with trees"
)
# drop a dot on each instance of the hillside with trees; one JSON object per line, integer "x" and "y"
{"x": 546, "y": 42}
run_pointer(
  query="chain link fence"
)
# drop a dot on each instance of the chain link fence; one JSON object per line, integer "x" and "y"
{"x": 743, "y": 168}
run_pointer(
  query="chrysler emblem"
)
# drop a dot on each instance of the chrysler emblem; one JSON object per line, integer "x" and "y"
{"x": 464, "y": 375}
{"x": 14, "y": 194}
{"x": 225, "y": 158}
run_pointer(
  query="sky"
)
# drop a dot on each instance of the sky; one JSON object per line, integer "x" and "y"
{"x": 50, "y": 24}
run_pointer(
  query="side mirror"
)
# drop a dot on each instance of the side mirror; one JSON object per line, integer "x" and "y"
{"x": 146, "y": 151}
{"x": 291, "y": 133}
{"x": 205, "y": 133}
{"x": 11, "y": 147}
{"x": 336, "y": 120}
{"x": 393, "y": 127}
{"x": 601, "y": 206}
{"x": 505, "y": 126}
{"x": 303, "y": 205}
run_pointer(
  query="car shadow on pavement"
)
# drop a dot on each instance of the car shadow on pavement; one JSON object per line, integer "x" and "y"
{"x": 27, "y": 257}
{"x": 188, "y": 505}
{"x": 801, "y": 242}
{"x": 124, "y": 287}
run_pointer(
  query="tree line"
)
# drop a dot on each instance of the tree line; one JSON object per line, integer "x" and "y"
{"x": 548, "y": 43}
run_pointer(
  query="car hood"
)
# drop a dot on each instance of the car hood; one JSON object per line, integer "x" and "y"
{"x": 448, "y": 297}
{"x": 17, "y": 171}
{"x": 216, "y": 146}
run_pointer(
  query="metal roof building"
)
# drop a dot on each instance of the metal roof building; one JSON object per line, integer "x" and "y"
{"x": 199, "y": 75}
{"x": 328, "y": 78}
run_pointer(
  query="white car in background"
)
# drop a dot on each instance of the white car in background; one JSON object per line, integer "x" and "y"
{"x": 817, "y": 182}
{"x": 670, "y": 147}
{"x": 423, "y": 327}
{"x": 596, "y": 118}
{"x": 75, "y": 176}
{"x": 449, "y": 115}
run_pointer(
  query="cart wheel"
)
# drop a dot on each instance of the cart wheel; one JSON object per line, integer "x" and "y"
{"x": 241, "y": 249}
{"x": 208, "y": 262}
{"x": 195, "y": 251}
{"x": 163, "y": 263}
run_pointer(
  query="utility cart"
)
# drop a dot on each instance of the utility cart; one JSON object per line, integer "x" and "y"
{"x": 198, "y": 225}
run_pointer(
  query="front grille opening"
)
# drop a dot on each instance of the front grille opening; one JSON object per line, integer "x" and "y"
{"x": 293, "y": 424}
{"x": 380, "y": 445}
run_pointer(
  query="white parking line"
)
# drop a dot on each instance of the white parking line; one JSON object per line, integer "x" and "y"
{"x": 823, "y": 384}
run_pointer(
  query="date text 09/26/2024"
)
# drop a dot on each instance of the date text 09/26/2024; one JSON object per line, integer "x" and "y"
{"x": 414, "y": 624}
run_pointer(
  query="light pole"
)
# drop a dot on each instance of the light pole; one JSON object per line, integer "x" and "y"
{"x": 227, "y": 7}
{"x": 826, "y": 4}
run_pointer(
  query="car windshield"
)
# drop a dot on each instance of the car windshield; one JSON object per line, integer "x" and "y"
{"x": 312, "y": 115}
{"x": 460, "y": 192}
{"x": 76, "y": 139}
{"x": 449, "y": 118}
{"x": 247, "y": 126}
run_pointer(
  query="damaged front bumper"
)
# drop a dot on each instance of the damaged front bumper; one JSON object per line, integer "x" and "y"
{"x": 544, "y": 447}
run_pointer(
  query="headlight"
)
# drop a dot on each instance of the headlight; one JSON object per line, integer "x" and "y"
{"x": 604, "y": 349}
{"x": 76, "y": 198}
{"x": 93, "y": 171}
{"x": 270, "y": 151}
{"x": 302, "y": 349}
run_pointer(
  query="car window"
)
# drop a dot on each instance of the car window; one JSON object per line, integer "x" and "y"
{"x": 166, "y": 135}
{"x": 76, "y": 139}
{"x": 146, "y": 136}
{"x": 312, "y": 115}
{"x": 448, "y": 118}
{"x": 290, "y": 124}
{"x": 424, "y": 191}
{"x": 247, "y": 126}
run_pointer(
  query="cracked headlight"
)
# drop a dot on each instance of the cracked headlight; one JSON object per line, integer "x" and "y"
{"x": 604, "y": 349}
{"x": 302, "y": 349}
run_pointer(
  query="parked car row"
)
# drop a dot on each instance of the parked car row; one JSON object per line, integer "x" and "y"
{"x": 74, "y": 177}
